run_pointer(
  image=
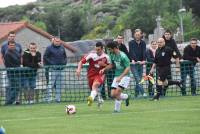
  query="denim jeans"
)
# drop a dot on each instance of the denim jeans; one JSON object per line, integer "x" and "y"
{"x": 14, "y": 83}
{"x": 137, "y": 71}
{"x": 56, "y": 79}
{"x": 188, "y": 69}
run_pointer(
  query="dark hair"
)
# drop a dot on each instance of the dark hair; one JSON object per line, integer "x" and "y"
{"x": 11, "y": 32}
{"x": 193, "y": 39}
{"x": 112, "y": 45}
{"x": 99, "y": 44}
{"x": 33, "y": 43}
{"x": 168, "y": 31}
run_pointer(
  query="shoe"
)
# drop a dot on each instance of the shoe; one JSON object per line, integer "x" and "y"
{"x": 116, "y": 111}
{"x": 194, "y": 94}
{"x": 17, "y": 103}
{"x": 100, "y": 103}
{"x": 153, "y": 99}
{"x": 31, "y": 102}
{"x": 180, "y": 85}
{"x": 144, "y": 95}
{"x": 89, "y": 101}
{"x": 127, "y": 100}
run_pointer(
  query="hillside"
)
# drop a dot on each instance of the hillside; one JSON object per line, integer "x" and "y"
{"x": 89, "y": 19}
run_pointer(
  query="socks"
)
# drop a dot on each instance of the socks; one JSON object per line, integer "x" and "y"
{"x": 117, "y": 105}
{"x": 93, "y": 94}
{"x": 123, "y": 96}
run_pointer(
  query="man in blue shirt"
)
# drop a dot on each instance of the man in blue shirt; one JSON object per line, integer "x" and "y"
{"x": 11, "y": 55}
{"x": 55, "y": 56}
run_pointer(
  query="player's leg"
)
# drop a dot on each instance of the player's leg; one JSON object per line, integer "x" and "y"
{"x": 123, "y": 84}
{"x": 94, "y": 92}
{"x": 162, "y": 75}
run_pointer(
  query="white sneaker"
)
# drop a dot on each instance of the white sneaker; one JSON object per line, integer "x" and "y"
{"x": 31, "y": 102}
{"x": 144, "y": 95}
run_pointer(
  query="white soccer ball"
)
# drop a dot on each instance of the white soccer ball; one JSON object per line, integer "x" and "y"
{"x": 70, "y": 109}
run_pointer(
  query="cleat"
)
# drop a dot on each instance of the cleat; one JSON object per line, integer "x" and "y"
{"x": 100, "y": 103}
{"x": 116, "y": 111}
{"x": 127, "y": 100}
{"x": 89, "y": 101}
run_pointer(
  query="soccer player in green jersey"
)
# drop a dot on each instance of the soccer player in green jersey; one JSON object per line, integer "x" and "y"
{"x": 121, "y": 63}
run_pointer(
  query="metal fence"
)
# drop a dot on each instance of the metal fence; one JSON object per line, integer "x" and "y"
{"x": 13, "y": 84}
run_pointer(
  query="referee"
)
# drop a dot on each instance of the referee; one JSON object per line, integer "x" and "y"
{"x": 162, "y": 63}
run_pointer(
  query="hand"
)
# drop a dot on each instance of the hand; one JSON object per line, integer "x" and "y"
{"x": 198, "y": 59}
{"x": 142, "y": 62}
{"x": 151, "y": 71}
{"x": 40, "y": 64}
{"x": 177, "y": 69}
{"x": 118, "y": 79}
{"x": 78, "y": 73}
{"x": 102, "y": 71}
{"x": 133, "y": 62}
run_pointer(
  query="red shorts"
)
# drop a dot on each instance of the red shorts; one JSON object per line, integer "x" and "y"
{"x": 97, "y": 78}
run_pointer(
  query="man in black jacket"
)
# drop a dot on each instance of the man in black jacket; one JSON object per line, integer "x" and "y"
{"x": 171, "y": 43}
{"x": 192, "y": 54}
{"x": 162, "y": 63}
{"x": 137, "y": 52}
{"x": 12, "y": 59}
{"x": 56, "y": 57}
{"x": 32, "y": 59}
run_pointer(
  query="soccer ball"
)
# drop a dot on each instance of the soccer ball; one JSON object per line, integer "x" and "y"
{"x": 70, "y": 109}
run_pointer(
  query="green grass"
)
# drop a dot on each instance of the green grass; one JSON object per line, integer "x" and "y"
{"x": 172, "y": 115}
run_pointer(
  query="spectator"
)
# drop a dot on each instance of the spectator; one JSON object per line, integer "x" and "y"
{"x": 170, "y": 42}
{"x": 122, "y": 47}
{"x": 137, "y": 52}
{"x": 192, "y": 54}
{"x": 12, "y": 59}
{"x": 55, "y": 55}
{"x": 150, "y": 55}
{"x": 32, "y": 59}
{"x": 4, "y": 49}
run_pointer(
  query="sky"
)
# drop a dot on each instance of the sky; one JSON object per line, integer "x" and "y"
{"x": 5, "y": 3}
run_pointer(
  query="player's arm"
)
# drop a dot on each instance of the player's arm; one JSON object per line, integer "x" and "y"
{"x": 80, "y": 64}
{"x": 126, "y": 71}
{"x": 108, "y": 67}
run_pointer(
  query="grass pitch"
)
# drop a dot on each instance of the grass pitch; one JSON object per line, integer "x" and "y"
{"x": 173, "y": 115}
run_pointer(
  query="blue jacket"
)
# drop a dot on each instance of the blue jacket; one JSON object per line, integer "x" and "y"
{"x": 4, "y": 48}
{"x": 137, "y": 52}
{"x": 55, "y": 55}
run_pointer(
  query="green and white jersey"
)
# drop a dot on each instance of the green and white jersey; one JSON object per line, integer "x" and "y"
{"x": 120, "y": 62}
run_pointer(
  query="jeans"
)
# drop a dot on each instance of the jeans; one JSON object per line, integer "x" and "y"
{"x": 56, "y": 79}
{"x": 137, "y": 71}
{"x": 12, "y": 91}
{"x": 188, "y": 69}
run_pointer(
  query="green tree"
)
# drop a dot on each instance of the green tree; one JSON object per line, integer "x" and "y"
{"x": 73, "y": 25}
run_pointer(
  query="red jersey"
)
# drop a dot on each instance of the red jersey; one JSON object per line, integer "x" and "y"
{"x": 96, "y": 63}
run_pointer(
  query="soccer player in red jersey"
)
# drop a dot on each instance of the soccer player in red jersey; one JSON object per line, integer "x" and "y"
{"x": 97, "y": 60}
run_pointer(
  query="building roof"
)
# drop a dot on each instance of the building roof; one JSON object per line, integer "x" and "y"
{"x": 17, "y": 26}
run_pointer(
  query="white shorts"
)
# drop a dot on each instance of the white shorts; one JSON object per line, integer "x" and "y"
{"x": 123, "y": 83}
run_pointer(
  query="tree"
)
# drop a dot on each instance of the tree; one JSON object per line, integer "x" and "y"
{"x": 53, "y": 21}
{"x": 73, "y": 25}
